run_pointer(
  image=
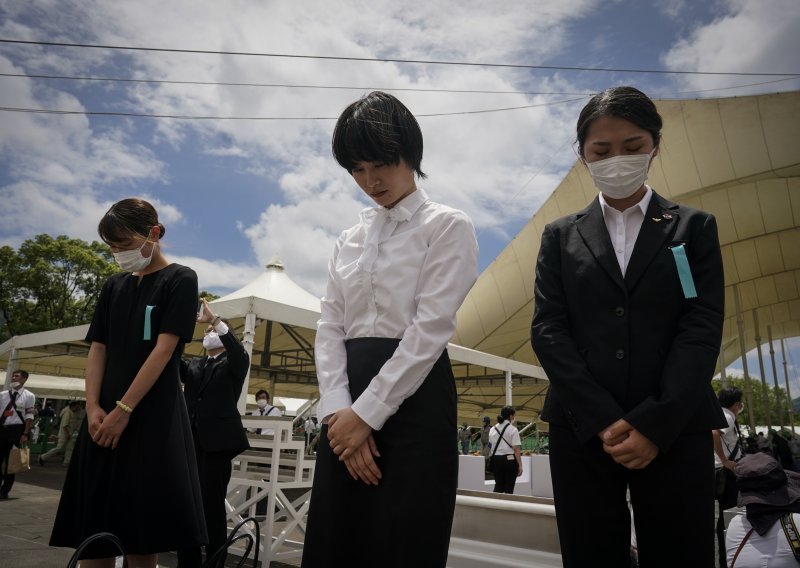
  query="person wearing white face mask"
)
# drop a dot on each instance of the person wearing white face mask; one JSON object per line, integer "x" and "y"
{"x": 134, "y": 454}
{"x": 627, "y": 324}
{"x": 212, "y": 386}
{"x": 16, "y": 405}
{"x": 265, "y": 409}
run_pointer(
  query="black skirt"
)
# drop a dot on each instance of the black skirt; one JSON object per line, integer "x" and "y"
{"x": 405, "y": 520}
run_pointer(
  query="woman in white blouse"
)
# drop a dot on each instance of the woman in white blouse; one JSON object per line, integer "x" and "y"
{"x": 506, "y": 458}
{"x": 385, "y": 479}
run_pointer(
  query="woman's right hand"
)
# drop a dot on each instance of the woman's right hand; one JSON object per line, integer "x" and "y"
{"x": 361, "y": 463}
{"x": 96, "y": 415}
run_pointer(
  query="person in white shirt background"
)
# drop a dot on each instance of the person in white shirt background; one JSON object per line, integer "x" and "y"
{"x": 386, "y": 469}
{"x": 728, "y": 448}
{"x": 505, "y": 446}
{"x": 771, "y": 497}
{"x": 265, "y": 409}
{"x": 17, "y": 418}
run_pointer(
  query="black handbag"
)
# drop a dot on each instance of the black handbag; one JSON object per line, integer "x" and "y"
{"x": 73, "y": 562}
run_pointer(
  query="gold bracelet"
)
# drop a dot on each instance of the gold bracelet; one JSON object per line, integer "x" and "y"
{"x": 124, "y": 407}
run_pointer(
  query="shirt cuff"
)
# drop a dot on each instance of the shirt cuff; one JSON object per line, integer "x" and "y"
{"x": 334, "y": 401}
{"x": 372, "y": 410}
{"x": 221, "y": 328}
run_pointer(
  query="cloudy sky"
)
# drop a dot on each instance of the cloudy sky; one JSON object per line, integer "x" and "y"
{"x": 235, "y": 193}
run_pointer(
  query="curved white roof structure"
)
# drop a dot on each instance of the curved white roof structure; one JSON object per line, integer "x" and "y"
{"x": 738, "y": 158}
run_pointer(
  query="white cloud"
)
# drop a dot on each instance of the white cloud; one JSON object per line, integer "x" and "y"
{"x": 218, "y": 275}
{"x": 752, "y": 36}
{"x": 478, "y": 163}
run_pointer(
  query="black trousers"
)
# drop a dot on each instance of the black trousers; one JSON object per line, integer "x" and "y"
{"x": 214, "y": 471}
{"x": 727, "y": 495}
{"x": 9, "y": 437}
{"x": 672, "y": 498}
{"x": 405, "y": 521}
{"x": 505, "y": 473}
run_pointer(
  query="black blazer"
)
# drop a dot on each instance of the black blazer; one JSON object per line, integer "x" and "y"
{"x": 212, "y": 394}
{"x": 631, "y": 347}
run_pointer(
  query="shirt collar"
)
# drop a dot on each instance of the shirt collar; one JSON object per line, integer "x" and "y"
{"x": 643, "y": 203}
{"x": 402, "y": 211}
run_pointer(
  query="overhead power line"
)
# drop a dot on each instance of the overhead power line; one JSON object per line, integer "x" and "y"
{"x": 289, "y": 85}
{"x": 388, "y": 60}
{"x": 195, "y": 117}
{"x": 351, "y": 88}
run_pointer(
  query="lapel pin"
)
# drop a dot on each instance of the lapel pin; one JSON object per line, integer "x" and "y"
{"x": 667, "y": 216}
{"x": 656, "y": 219}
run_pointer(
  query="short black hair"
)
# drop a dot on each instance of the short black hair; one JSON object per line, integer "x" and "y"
{"x": 260, "y": 392}
{"x": 21, "y": 372}
{"x": 377, "y": 128}
{"x": 623, "y": 102}
{"x": 128, "y": 217}
{"x": 728, "y": 396}
{"x": 505, "y": 413}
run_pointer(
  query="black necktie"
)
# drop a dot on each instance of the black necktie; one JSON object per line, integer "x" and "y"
{"x": 10, "y": 407}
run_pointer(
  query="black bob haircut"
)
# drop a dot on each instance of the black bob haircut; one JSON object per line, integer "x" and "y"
{"x": 129, "y": 217}
{"x": 628, "y": 103}
{"x": 377, "y": 128}
{"x": 728, "y": 396}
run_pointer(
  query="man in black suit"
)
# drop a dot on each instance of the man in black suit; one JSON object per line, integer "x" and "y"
{"x": 627, "y": 325}
{"x": 212, "y": 386}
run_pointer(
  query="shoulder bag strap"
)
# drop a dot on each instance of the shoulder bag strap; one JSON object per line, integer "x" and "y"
{"x": 790, "y": 530}
{"x": 501, "y": 438}
{"x": 741, "y": 545}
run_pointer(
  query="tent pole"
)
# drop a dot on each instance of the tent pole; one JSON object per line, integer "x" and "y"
{"x": 12, "y": 366}
{"x": 748, "y": 385}
{"x": 765, "y": 392}
{"x": 790, "y": 402}
{"x": 247, "y": 341}
{"x": 509, "y": 388}
{"x": 781, "y": 416}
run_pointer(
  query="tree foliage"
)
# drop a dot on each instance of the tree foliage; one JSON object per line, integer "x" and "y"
{"x": 775, "y": 401}
{"x": 49, "y": 283}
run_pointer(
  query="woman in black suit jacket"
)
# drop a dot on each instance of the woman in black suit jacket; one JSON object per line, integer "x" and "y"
{"x": 628, "y": 322}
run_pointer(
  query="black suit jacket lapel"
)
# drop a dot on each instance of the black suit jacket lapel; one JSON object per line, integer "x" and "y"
{"x": 592, "y": 227}
{"x": 659, "y": 223}
{"x": 208, "y": 372}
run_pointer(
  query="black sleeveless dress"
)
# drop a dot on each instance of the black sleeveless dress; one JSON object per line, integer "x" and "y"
{"x": 146, "y": 491}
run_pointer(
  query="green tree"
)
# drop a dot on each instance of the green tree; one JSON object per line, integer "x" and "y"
{"x": 776, "y": 401}
{"x": 49, "y": 283}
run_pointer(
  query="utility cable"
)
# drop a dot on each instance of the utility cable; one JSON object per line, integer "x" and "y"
{"x": 388, "y": 60}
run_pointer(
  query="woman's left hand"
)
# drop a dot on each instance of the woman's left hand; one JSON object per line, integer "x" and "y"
{"x": 109, "y": 432}
{"x": 346, "y": 432}
{"x": 519, "y": 470}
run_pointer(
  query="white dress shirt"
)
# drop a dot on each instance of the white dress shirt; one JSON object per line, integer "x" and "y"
{"x": 729, "y": 438}
{"x": 771, "y": 550}
{"x": 624, "y": 226}
{"x": 24, "y": 405}
{"x": 399, "y": 273}
{"x": 510, "y": 439}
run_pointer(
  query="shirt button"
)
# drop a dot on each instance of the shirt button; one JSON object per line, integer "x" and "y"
{"x": 620, "y": 353}
{"x": 619, "y": 251}
{"x": 620, "y": 311}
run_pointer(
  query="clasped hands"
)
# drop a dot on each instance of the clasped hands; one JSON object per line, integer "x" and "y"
{"x": 351, "y": 439}
{"x": 627, "y": 446}
{"x": 105, "y": 429}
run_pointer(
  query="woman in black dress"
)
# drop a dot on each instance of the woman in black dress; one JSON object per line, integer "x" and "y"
{"x": 385, "y": 480}
{"x": 133, "y": 471}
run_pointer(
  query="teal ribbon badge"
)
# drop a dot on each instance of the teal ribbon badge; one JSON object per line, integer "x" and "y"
{"x": 148, "y": 311}
{"x": 684, "y": 272}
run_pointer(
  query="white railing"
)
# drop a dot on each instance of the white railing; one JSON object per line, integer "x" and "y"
{"x": 275, "y": 469}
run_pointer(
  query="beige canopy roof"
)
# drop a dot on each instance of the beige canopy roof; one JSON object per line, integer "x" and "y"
{"x": 738, "y": 158}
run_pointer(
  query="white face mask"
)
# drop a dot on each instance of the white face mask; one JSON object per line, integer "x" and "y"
{"x": 619, "y": 177}
{"x": 212, "y": 341}
{"x": 15, "y": 385}
{"x": 262, "y": 402}
{"x": 134, "y": 260}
